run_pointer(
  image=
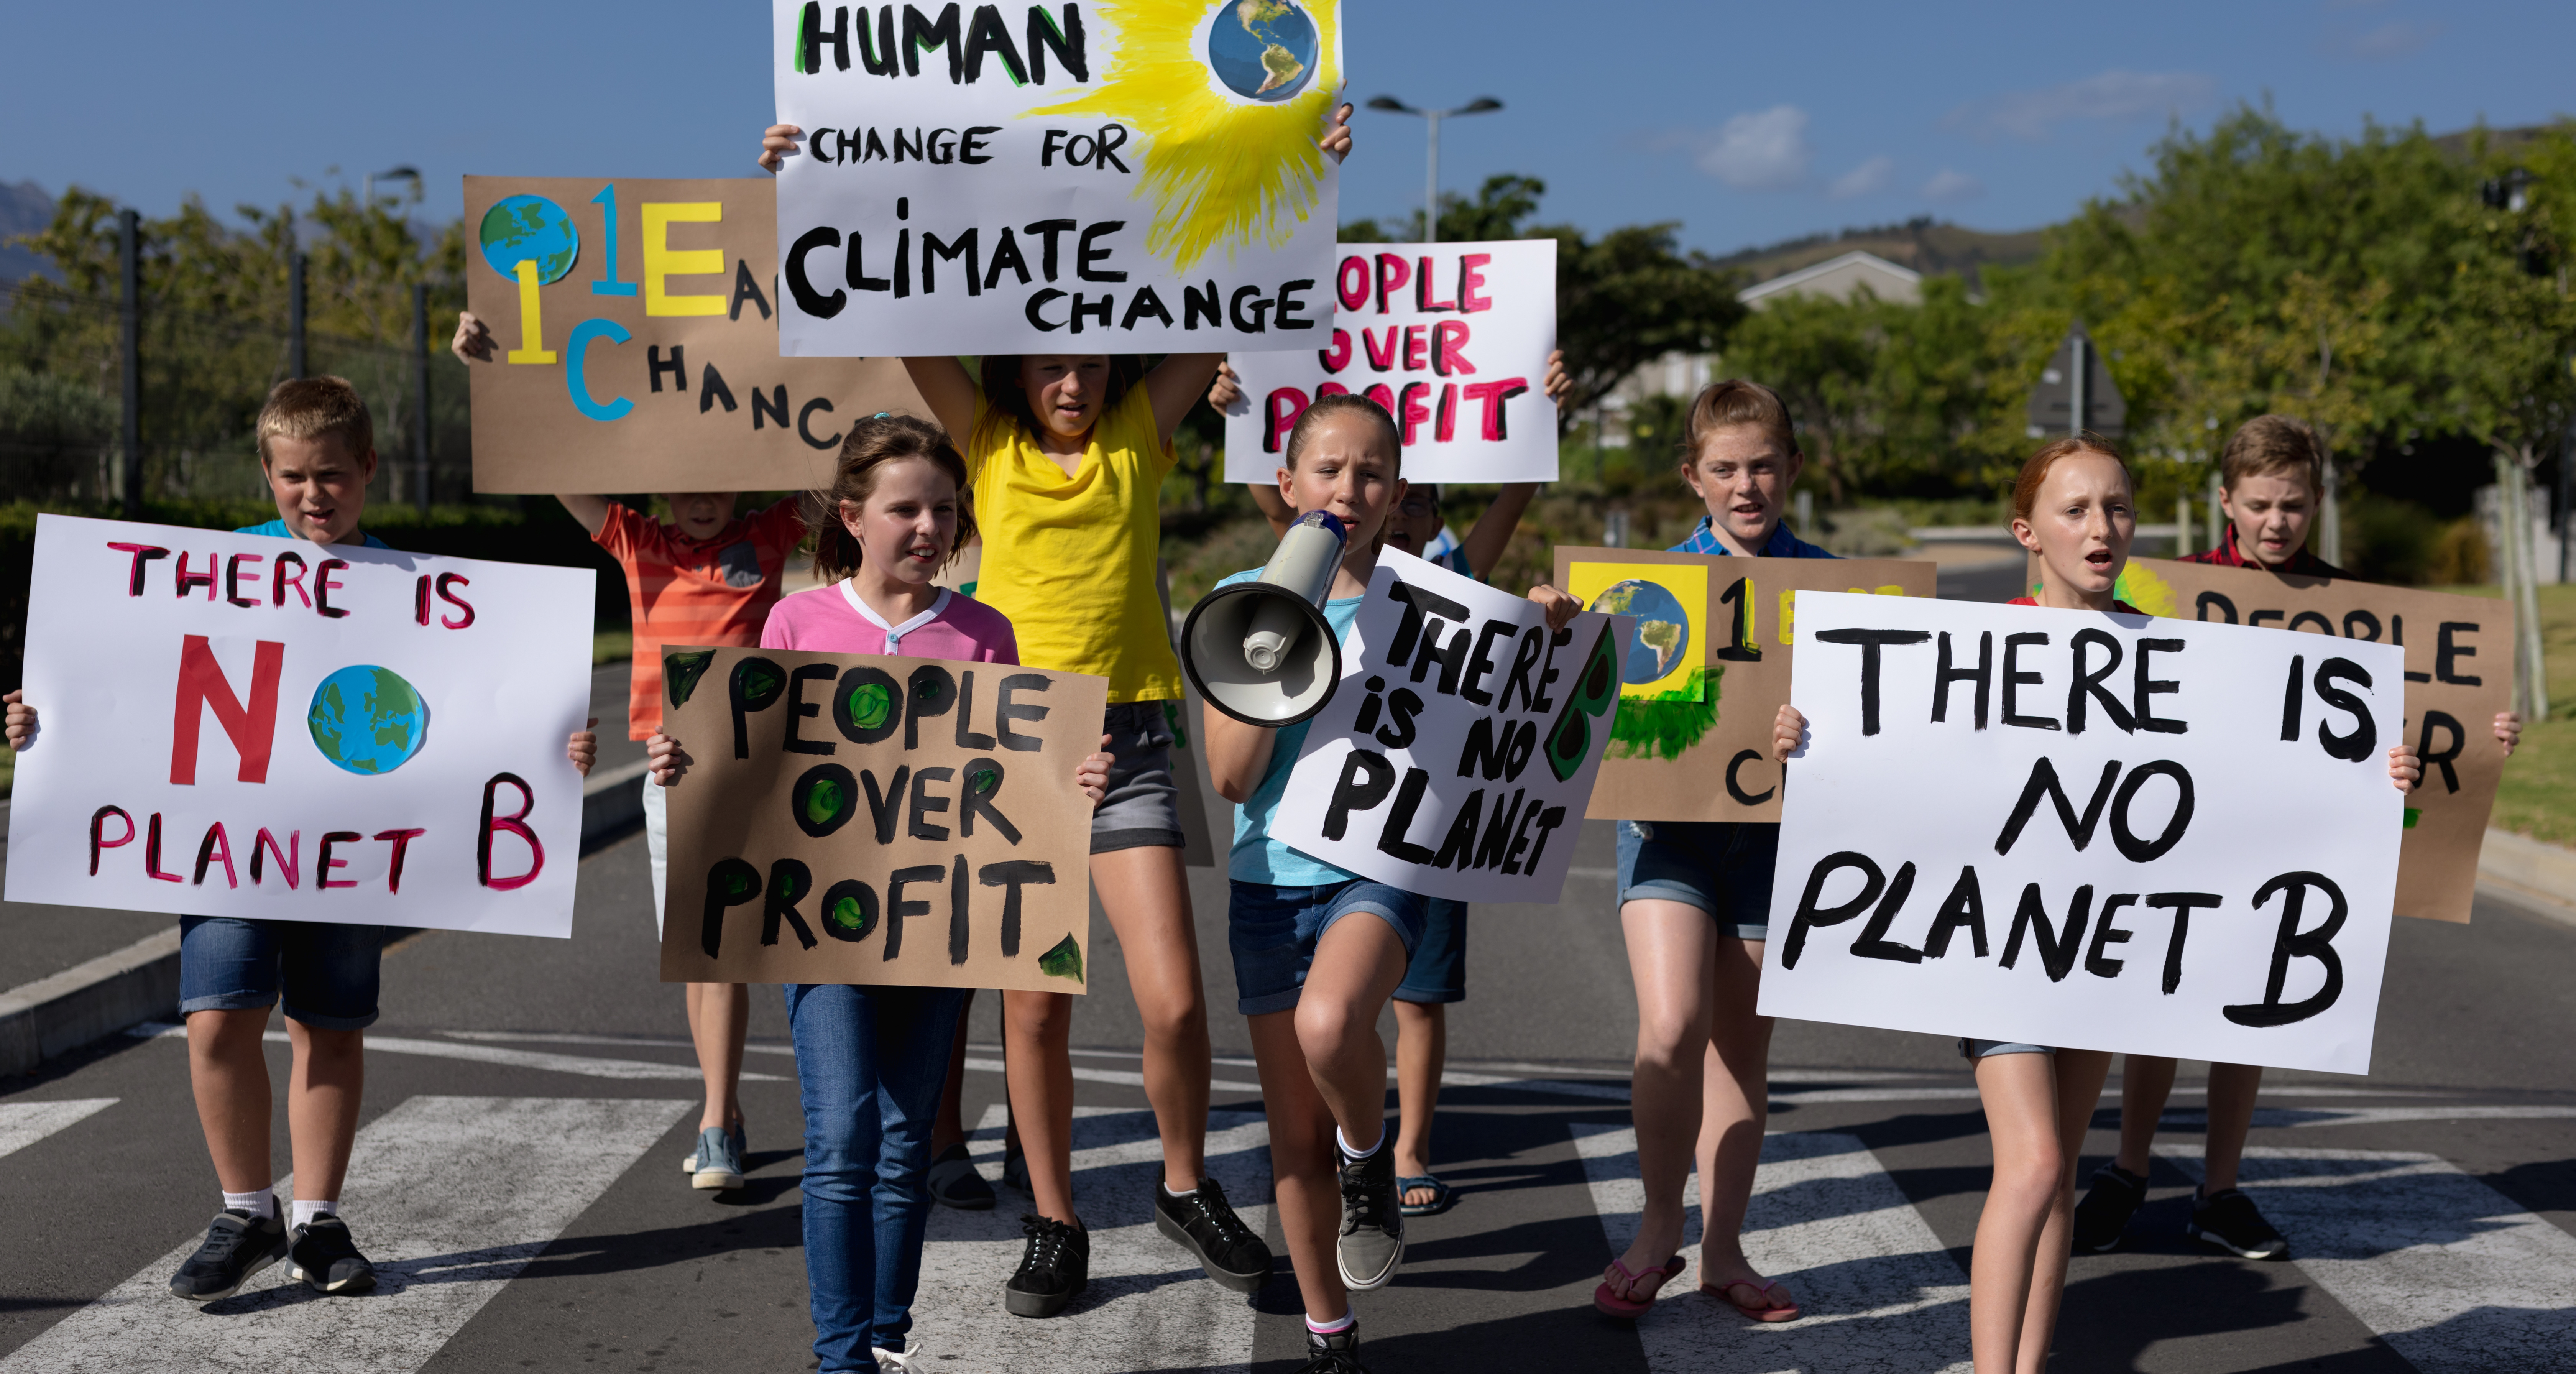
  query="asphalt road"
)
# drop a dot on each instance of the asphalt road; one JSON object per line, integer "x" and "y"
{"x": 526, "y": 1099}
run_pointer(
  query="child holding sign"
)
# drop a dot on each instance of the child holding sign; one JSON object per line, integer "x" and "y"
{"x": 2074, "y": 506}
{"x": 317, "y": 449}
{"x": 1066, "y": 455}
{"x": 1438, "y": 974}
{"x": 2272, "y": 474}
{"x": 871, "y": 1061}
{"x": 1311, "y": 982}
{"x": 703, "y": 577}
{"x": 1695, "y": 904}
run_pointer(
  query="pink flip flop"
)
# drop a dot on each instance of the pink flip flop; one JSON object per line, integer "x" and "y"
{"x": 1724, "y": 1292}
{"x": 1619, "y": 1295}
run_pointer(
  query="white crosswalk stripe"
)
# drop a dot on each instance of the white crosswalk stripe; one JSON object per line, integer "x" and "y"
{"x": 2455, "y": 1276}
{"x": 588, "y": 1066}
{"x": 449, "y": 1196}
{"x": 1879, "y": 1291}
{"x": 1150, "y": 1306}
{"x": 24, "y": 1123}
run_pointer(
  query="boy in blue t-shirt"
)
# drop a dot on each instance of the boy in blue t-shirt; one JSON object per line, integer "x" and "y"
{"x": 1311, "y": 982}
{"x": 317, "y": 449}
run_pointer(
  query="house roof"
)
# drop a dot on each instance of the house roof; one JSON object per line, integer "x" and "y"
{"x": 1840, "y": 277}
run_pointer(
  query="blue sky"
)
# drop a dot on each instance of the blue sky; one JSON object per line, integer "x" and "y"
{"x": 1746, "y": 123}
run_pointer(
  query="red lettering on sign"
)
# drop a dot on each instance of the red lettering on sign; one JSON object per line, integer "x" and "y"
{"x": 252, "y": 728}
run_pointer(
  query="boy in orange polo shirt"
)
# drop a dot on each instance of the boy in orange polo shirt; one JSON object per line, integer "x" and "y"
{"x": 704, "y": 577}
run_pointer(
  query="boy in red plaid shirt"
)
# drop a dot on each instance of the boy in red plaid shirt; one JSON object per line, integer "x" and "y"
{"x": 2272, "y": 477}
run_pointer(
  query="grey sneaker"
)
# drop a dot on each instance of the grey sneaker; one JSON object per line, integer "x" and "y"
{"x": 1372, "y": 1241}
{"x": 237, "y": 1246}
{"x": 719, "y": 1163}
{"x": 741, "y": 1149}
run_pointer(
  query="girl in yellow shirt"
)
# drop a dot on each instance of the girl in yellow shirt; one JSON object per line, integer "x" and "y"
{"x": 1067, "y": 453}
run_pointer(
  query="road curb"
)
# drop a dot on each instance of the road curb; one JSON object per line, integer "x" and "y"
{"x": 2535, "y": 866}
{"x": 61, "y": 1012}
{"x": 56, "y": 1014}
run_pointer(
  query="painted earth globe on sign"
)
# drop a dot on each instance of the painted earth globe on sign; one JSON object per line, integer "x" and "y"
{"x": 1262, "y": 49}
{"x": 534, "y": 229}
{"x": 367, "y": 720}
{"x": 1663, "y": 628}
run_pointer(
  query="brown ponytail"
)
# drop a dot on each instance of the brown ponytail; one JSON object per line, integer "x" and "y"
{"x": 872, "y": 444}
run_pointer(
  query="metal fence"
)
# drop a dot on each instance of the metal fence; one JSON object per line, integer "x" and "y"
{"x": 199, "y": 383}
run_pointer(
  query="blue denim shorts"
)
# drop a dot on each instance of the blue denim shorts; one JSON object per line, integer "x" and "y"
{"x": 1721, "y": 867}
{"x": 1438, "y": 972}
{"x": 1979, "y": 1049}
{"x": 325, "y": 972}
{"x": 1272, "y": 932}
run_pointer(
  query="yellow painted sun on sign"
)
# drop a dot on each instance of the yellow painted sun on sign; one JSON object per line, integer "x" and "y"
{"x": 1224, "y": 169}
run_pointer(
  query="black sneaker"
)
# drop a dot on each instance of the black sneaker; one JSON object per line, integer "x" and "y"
{"x": 1203, "y": 1223}
{"x": 2227, "y": 1219}
{"x": 2105, "y": 1211}
{"x": 1053, "y": 1271}
{"x": 237, "y": 1246}
{"x": 1372, "y": 1241}
{"x": 325, "y": 1257}
{"x": 1338, "y": 1353}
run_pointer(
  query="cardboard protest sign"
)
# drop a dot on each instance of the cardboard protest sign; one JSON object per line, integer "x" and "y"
{"x": 855, "y": 818}
{"x": 1449, "y": 338}
{"x": 1697, "y": 695}
{"x": 2094, "y": 831}
{"x": 1462, "y": 738}
{"x": 2459, "y": 677}
{"x": 638, "y": 342}
{"x": 236, "y": 725}
{"x": 1132, "y": 176}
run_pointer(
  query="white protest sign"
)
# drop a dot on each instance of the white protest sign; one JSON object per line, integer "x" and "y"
{"x": 2094, "y": 831}
{"x": 1132, "y": 176}
{"x": 237, "y": 725}
{"x": 1450, "y": 338}
{"x": 1462, "y": 739}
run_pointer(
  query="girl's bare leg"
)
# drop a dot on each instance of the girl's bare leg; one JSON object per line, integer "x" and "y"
{"x": 1672, "y": 958}
{"x": 1037, "y": 1030}
{"x": 1421, "y": 1051}
{"x": 1147, "y": 897}
{"x": 1735, "y": 1107}
{"x": 1304, "y": 1176}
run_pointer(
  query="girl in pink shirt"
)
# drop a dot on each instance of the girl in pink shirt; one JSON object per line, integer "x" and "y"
{"x": 871, "y": 1061}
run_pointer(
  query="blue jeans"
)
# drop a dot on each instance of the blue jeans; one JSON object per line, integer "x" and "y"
{"x": 870, "y": 1065}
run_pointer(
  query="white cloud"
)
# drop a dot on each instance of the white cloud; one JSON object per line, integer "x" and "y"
{"x": 2106, "y": 96}
{"x": 1866, "y": 179}
{"x": 1952, "y": 184}
{"x": 1765, "y": 150}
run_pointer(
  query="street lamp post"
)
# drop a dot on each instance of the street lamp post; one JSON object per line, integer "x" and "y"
{"x": 1431, "y": 181}
{"x": 405, "y": 172}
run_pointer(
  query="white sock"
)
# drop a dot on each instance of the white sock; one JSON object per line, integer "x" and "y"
{"x": 1167, "y": 1191}
{"x": 1348, "y": 1319}
{"x": 1354, "y": 1151}
{"x": 305, "y": 1211}
{"x": 260, "y": 1204}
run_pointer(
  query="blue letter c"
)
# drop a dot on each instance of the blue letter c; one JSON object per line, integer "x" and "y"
{"x": 575, "y": 352}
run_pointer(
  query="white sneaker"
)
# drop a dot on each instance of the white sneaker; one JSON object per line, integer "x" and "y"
{"x": 904, "y": 1361}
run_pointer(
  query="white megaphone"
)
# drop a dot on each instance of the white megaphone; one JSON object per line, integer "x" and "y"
{"x": 1261, "y": 651}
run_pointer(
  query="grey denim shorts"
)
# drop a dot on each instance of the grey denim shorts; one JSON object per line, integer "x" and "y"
{"x": 1142, "y": 807}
